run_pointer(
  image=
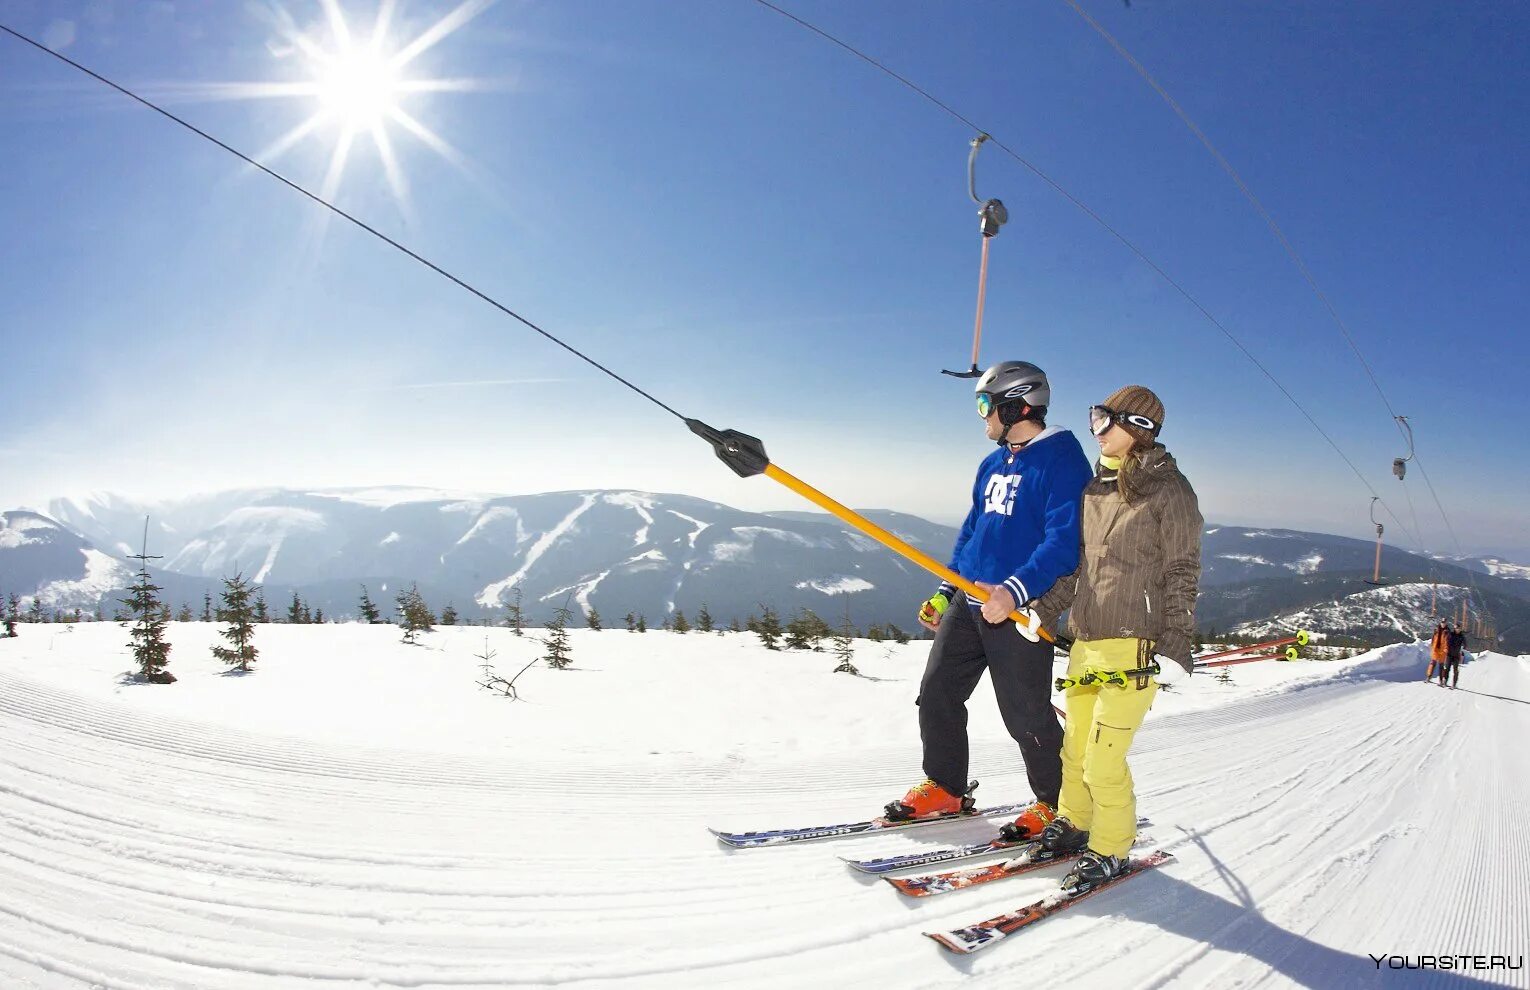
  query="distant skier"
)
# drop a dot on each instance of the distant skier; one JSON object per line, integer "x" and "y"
{"x": 1455, "y": 643}
{"x": 1438, "y": 648}
{"x": 1131, "y": 607}
{"x": 1021, "y": 534}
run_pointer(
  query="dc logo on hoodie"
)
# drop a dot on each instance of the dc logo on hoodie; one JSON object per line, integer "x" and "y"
{"x": 1000, "y": 495}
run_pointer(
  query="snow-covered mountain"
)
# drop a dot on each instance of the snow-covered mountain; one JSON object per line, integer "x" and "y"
{"x": 1386, "y": 613}
{"x": 620, "y": 551}
{"x": 1495, "y": 566}
{"x": 611, "y": 550}
{"x": 41, "y": 559}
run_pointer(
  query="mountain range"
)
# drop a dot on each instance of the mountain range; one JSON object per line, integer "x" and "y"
{"x": 621, "y": 551}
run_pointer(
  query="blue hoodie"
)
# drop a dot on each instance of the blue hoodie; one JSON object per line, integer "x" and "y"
{"x": 1023, "y": 529}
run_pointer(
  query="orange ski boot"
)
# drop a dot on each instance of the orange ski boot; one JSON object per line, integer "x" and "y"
{"x": 930, "y": 800}
{"x": 1030, "y": 823}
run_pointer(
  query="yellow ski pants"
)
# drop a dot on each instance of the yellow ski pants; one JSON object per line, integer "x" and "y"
{"x": 1097, "y": 790}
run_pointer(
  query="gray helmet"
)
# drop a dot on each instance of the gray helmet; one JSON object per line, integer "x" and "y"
{"x": 1015, "y": 384}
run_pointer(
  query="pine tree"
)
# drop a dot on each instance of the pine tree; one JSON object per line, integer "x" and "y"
{"x": 642, "y": 625}
{"x": 631, "y": 622}
{"x": 148, "y": 637}
{"x": 35, "y": 610}
{"x": 262, "y": 614}
{"x": 559, "y": 653}
{"x": 769, "y": 627}
{"x": 318, "y": 616}
{"x": 307, "y": 615}
{"x": 369, "y": 613}
{"x": 295, "y": 610}
{"x": 414, "y": 616}
{"x": 207, "y": 612}
{"x": 240, "y": 616}
{"x": 681, "y": 626}
{"x": 12, "y": 613}
{"x": 874, "y": 634}
{"x": 593, "y": 619}
{"x": 899, "y": 636}
{"x": 184, "y": 615}
{"x": 844, "y": 646}
{"x": 448, "y": 615}
{"x": 733, "y": 626}
{"x": 704, "y": 619}
{"x": 515, "y": 616}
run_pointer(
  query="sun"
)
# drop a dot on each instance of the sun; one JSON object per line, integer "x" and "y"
{"x": 357, "y": 86}
{"x": 359, "y": 89}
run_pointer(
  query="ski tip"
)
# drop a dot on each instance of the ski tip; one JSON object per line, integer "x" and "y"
{"x": 946, "y": 942}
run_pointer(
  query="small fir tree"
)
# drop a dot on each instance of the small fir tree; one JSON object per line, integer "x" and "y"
{"x": 150, "y": 650}
{"x": 681, "y": 625}
{"x": 899, "y": 636}
{"x": 704, "y": 619}
{"x": 769, "y": 627}
{"x": 262, "y": 613}
{"x": 559, "y": 653}
{"x": 844, "y": 646}
{"x": 414, "y": 616}
{"x": 207, "y": 609}
{"x": 318, "y": 616}
{"x": 184, "y": 615}
{"x": 448, "y": 615}
{"x": 593, "y": 619}
{"x": 642, "y": 625}
{"x": 631, "y": 622}
{"x": 369, "y": 613}
{"x": 515, "y": 616}
{"x": 238, "y": 611}
{"x": 295, "y": 610}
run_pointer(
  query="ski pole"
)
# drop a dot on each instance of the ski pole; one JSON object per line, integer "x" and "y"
{"x": 746, "y": 457}
{"x": 1302, "y": 638}
{"x": 1289, "y": 653}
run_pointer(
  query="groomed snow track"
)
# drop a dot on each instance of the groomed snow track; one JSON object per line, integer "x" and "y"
{"x": 1370, "y": 813}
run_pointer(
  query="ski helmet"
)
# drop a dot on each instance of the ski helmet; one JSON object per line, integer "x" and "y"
{"x": 1017, "y": 389}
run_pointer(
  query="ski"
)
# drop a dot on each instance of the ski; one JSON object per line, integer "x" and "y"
{"x": 986, "y": 933}
{"x": 749, "y": 840}
{"x": 1030, "y": 859}
{"x": 910, "y": 861}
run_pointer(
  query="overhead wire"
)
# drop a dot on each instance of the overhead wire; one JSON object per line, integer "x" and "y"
{"x": 1103, "y": 223}
{"x": 341, "y": 213}
{"x": 1289, "y": 248}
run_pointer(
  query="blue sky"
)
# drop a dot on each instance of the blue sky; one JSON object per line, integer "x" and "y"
{"x": 772, "y": 236}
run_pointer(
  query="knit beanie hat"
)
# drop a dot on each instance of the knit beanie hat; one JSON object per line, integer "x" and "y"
{"x": 1138, "y": 400}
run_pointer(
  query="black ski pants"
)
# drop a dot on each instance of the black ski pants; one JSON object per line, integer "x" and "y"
{"x": 964, "y": 647}
{"x": 1451, "y": 667}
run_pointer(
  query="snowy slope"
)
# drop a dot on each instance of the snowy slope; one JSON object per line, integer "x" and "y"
{"x": 356, "y": 813}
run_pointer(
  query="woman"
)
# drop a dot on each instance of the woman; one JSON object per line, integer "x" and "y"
{"x": 1131, "y": 609}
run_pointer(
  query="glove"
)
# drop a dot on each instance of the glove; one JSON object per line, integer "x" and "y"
{"x": 1031, "y": 627}
{"x": 1169, "y": 671}
{"x": 934, "y": 608}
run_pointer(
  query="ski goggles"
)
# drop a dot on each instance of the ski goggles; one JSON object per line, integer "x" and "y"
{"x": 1102, "y": 418}
{"x": 985, "y": 404}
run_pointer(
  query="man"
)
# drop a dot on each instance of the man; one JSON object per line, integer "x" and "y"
{"x": 1438, "y": 647}
{"x": 1021, "y": 534}
{"x": 1456, "y": 641}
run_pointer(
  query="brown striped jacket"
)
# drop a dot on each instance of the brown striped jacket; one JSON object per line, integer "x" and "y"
{"x": 1140, "y": 565}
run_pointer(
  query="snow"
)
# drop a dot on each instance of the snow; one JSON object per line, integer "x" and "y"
{"x": 639, "y": 503}
{"x": 840, "y": 585}
{"x": 102, "y": 574}
{"x": 1307, "y": 565}
{"x": 14, "y": 527}
{"x": 490, "y": 595}
{"x": 388, "y": 496}
{"x": 489, "y": 518}
{"x": 1504, "y": 569}
{"x": 700, "y": 526}
{"x": 1273, "y": 536}
{"x": 1244, "y": 558}
{"x": 246, "y": 533}
{"x": 356, "y": 812}
{"x": 742, "y": 548}
{"x": 392, "y": 537}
